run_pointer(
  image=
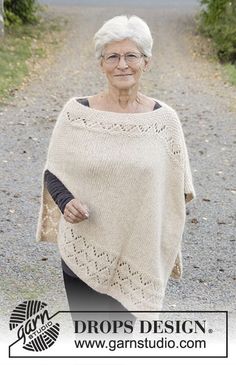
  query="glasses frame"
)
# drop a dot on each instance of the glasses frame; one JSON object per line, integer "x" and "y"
{"x": 123, "y": 55}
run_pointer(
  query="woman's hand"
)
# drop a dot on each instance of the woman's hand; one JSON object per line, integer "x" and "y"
{"x": 75, "y": 211}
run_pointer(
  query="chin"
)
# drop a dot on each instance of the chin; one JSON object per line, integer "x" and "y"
{"x": 124, "y": 84}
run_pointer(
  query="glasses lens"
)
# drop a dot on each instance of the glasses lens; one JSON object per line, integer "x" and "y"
{"x": 130, "y": 57}
{"x": 112, "y": 58}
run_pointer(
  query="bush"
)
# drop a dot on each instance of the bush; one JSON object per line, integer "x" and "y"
{"x": 218, "y": 21}
{"x": 20, "y": 12}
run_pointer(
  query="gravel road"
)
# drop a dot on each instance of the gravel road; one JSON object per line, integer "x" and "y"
{"x": 206, "y": 104}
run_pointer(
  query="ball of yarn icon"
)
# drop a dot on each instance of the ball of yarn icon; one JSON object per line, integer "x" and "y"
{"x": 40, "y": 338}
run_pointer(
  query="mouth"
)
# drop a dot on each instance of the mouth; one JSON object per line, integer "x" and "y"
{"x": 123, "y": 75}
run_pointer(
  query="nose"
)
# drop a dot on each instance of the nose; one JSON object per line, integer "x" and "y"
{"x": 122, "y": 63}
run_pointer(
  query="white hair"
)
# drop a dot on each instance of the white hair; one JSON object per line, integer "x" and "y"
{"x": 124, "y": 27}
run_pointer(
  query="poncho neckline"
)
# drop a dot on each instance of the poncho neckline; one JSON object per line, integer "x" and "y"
{"x": 108, "y": 113}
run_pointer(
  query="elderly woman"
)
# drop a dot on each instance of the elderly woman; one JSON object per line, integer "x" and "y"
{"x": 115, "y": 183}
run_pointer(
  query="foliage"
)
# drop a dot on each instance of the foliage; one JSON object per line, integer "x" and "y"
{"x": 20, "y": 12}
{"x": 218, "y": 21}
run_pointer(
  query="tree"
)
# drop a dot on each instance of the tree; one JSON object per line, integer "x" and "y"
{"x": 218, "y": 21}
{"x": 20, "y": 12}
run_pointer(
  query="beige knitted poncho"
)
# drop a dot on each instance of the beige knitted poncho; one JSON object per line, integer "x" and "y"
{"x": 132, "y": 170}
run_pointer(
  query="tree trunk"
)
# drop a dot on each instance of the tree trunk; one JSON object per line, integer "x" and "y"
{"x": 1, "y": 19}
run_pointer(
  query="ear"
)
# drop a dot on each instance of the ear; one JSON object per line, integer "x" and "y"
{"x": 101, "y": 65}
{"x": 147, "y": 63}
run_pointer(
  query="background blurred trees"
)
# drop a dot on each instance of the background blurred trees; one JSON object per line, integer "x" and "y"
{"x": 20, "y": 12}
{"x": 218, "y": 21}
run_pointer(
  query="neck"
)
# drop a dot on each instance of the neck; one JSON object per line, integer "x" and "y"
{"x": 123, "y": 97}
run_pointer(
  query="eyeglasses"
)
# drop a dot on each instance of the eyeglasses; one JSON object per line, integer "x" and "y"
{"x": 130, "y": 58}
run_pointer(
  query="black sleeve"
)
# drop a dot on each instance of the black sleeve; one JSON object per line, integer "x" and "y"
{"x": 60, "y": 194}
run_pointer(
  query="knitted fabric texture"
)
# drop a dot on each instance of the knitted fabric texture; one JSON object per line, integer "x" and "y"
{"x": 132, "y": 170}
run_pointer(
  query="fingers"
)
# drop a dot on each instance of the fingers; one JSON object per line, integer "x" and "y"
{"x": 75, "y": 212}
{"x": 81, "y": 208}
{"x": 69, "y": 219}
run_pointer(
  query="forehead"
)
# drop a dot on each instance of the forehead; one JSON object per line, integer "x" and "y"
{"x": 123, "y": 46}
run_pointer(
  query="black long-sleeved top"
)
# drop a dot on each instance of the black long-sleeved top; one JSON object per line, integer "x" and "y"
{"x": 60, "y": 194}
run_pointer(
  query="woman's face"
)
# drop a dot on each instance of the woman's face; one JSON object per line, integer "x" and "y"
{"x": 121, "y": 73}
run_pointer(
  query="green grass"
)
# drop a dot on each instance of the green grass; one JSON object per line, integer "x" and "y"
{"x": 22, "y": 47}
{"x": 230, "y": 71}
